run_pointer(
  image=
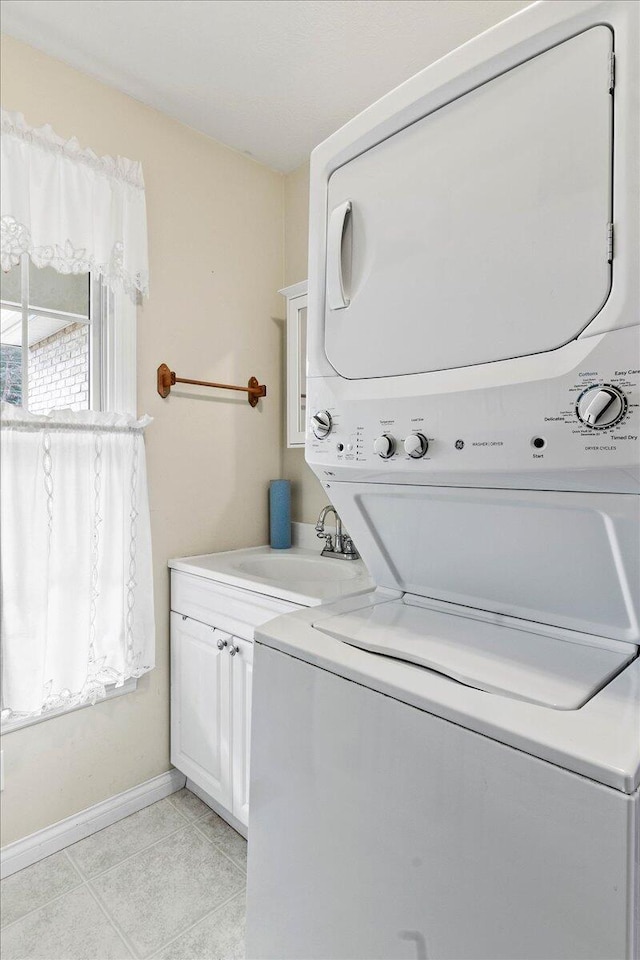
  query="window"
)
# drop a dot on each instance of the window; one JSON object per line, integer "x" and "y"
{"x": 74, "y": 243}
{"x": 65, "y": 342}
{"x": 50, "y": 355}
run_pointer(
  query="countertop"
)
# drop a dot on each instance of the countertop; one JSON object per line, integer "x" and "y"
{"x": 306, "y": 578}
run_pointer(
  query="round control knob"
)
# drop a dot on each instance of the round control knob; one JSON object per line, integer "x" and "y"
{"x": 321, "y": 424}
{"x": 384, "y": 446}
{"x": 416, "y": 445}
{"x": 601, "y": 406}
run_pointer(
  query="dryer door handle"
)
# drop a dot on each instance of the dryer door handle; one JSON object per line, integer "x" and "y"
{"x": 336, "y": 298}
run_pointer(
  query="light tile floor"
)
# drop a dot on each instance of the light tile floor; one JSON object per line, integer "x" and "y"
{"x": 166, "y": 882}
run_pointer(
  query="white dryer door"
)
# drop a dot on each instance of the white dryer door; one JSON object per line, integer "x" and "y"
{"x": 480, "y": 232}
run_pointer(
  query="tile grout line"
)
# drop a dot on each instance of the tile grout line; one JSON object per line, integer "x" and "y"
{"x": 111, "y": 921}
{"x": 209, "y": 811}
{"x": 74, "y": 864}
{"x": 187, "y": 823}
{"x": 81, "y": 883}
{"x": 114, "y": 923}
{"x": 43, "y": 905}
{"x": 200, "y": 816}
{"x": 215, "y": 844}
{"x": 96, "y": 876}
{"x": 172, "y": 804}
{"x": 86, "y": 880}
{"x": 136, "y": 954}
{"x": 187, "y": 930}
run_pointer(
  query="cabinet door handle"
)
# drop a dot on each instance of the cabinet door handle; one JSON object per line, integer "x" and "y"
{"x": 221, "y": 644}
{"x": 233, "y": 649}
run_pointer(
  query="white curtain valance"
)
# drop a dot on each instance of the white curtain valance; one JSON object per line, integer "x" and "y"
{"x": 77, "y": 588}
{"x": 70, "y": 209}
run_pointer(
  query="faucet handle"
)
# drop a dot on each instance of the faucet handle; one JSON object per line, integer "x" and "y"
{"x": 349, "y": 548}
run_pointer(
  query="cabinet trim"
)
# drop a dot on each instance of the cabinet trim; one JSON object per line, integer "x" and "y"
{"x": 241, "y": 690}
{"x": 228, "y": 608}
{"x": 295, "y": 290}
{"x": 296, "y": 296}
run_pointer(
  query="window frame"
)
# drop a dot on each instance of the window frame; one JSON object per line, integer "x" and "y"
{"x": 112, "y": 343}
{"x": 118, "y": 350}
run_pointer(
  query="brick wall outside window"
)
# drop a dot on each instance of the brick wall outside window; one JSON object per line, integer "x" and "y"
{"x": 59, "y": 370}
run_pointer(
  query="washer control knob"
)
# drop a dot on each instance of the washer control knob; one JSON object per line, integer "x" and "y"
{"x": 416, "y": 445}
{"x": 321, "y": 424}
{"x": 384, "y": 446}
{"x": 601, "y": 407}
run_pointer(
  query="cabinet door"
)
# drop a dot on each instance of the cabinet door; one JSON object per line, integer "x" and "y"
{"x": 200, "y": 707}
{"x": 296, "y": 295}
{"x": 241, "y": 680}
{"x": 296, "y": 370}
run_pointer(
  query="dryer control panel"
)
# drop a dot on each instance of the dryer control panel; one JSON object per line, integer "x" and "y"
{"x": 576, "y": 429}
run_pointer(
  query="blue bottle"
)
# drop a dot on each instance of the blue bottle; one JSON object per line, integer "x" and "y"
{"x": 280, "y": 514}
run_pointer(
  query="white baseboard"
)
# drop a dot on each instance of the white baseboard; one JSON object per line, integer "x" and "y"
{"x": 43, "y": 843}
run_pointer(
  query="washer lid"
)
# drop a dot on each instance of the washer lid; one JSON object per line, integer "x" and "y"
{"x": 556, "y": 668}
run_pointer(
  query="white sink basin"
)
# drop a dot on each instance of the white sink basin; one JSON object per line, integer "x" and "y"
{"x": 299, "y": 575}
{"x": 298, "y": 569}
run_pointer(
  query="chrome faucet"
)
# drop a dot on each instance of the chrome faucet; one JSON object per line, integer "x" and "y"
{"x": 343, "y": 548}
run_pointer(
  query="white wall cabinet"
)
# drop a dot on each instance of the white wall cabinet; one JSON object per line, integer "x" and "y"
{"x": 296, "y": 296}
{"x": 212, "y": 627}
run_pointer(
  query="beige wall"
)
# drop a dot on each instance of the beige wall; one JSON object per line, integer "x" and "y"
{"x": 307, "y": 496}
{"x": 216, "y": 257}
{"x": 296, "y": 225}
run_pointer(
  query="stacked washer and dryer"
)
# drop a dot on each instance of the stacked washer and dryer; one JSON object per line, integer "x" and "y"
{"x": 449, "y": 767}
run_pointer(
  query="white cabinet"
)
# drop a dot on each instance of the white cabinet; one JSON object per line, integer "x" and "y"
{"x": 212, "y": 627}
{"x": 201, "y": 706}
{"x": 296, "y": 296}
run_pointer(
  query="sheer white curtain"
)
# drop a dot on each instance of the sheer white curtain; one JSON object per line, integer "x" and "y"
{"x": 77, "y": 594}
{"x": 69, "y": 208}
{"x": 77, "y": 591}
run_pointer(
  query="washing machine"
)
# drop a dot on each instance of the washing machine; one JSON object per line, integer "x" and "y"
{"x": 449, "y": 766}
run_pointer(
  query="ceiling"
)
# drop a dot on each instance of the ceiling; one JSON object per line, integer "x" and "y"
{"x": 271, "y": 78}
